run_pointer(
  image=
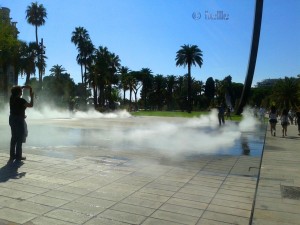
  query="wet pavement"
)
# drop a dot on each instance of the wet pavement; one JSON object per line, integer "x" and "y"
{"x": 64, "y": 182}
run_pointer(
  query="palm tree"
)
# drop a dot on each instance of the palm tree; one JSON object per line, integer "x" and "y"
{"x": 88, "y": 50}
{"x": 79, "y": 37}
{"x": 101, "y": 66}
{"x": 210, "y": 89}
{"x": 132, "y": 83}
{"x": 147, "y": 82}
{"x": 28, "y": 59}
{"x": 92, "y": 79}
{"x": 124, "y": 80}
{"x": 35, "y": 15}
{"x": 159, "y": 89}
{"x": 189, "y": 55}
{"x": 253, "y": 55}
{"x": 286, "y": 93}
{"x": 171, "y": 81}
{"x": 113, "y": 67}
{"x": 57, "y": 70}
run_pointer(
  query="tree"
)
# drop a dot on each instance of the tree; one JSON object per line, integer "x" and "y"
{"x": 180, "y": 92}
{"x": 135, "y": 85}
{"x": 57, "y": 70}
{"x": 93, "y": 81}
{"x": 58, "y": 88}
{"x": 147, "y": 83}
{"x": 286, "y": 93}
{"x": 101, "y": 67}
{"x": 113, "y": 67}
{"x": 9, "y": 54}
{"x": 124, "y": 84}
{"x": 159, "y": 91}
{"x": 224, "y": 91}
{"x": 253, "y": 55}
{"x": 171, "y": 82}
{"x": 189, "y": 55}
{"x": 210, "y": 89}
{"x": 132, "y": 82}
{"x": 35, "y": 15}
{"x": 197, "y": 87}
{"x": 79, "y": 37}
{"x": 28, "y": 54}
{"x": 87, "y": 52}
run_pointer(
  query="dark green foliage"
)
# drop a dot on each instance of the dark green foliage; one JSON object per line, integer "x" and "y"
{"x": 210, "y": 89}
{"x": 58, "y": 90}
{"x": 286, "y": 93}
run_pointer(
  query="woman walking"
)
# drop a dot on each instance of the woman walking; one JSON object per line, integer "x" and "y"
{"x": 273, "y": 120}
{"x": 284, "y": 121}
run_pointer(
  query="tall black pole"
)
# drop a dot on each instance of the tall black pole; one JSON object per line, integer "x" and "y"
{"x": 253, "y": 56}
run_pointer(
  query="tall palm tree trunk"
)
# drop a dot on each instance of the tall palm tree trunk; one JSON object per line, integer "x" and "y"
{"x": 124, "y": 94}
{"x": 36, "y": 36}
{"x": 81, "y": 70}
{"x": 95, "y": 91}
{"x": 130, "y": 97}
{"x": 189, "y": 109}
{"x": 253, "y": 56}
{"x": 27, "y": 78}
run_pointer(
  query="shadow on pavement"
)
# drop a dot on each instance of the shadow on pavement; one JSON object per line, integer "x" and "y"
{"x": 10, "y": 171}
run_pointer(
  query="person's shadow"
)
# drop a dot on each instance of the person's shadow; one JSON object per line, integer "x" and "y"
{"x": 10, "y": 171}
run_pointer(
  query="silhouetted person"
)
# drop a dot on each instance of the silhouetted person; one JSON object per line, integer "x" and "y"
{"x": 221, "y": 114}
{"x": 291, "y": 115}
{"x": 228, "y": 113}
{"x": 298, "y": 120}
{"x": 17, "y": 122}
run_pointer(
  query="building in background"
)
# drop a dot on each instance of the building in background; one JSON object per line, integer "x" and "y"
{"x": 8, "y": 76}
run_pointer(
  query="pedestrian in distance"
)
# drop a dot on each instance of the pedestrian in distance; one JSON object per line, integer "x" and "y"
{"x": 273, "y": 120}
{"x": 261, "y": 115}
{"x": 17, "y": 122}
{"x": 284, "y": 121}
{"x": 291, "y": 116}
{"x": 298, "y": 120}
{"x": 221, "y": 113}
{"x": 228, "y": 113}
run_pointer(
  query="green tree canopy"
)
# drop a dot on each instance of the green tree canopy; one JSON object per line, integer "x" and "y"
{"x": 189, "y": 55}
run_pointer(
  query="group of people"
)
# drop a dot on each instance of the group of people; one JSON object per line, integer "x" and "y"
{"x": 287, "y": 117}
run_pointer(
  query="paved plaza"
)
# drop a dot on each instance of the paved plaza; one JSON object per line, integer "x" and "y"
{"x": 96, "y": 185}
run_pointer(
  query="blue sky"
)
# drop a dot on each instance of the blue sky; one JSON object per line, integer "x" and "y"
{"x": 147, "y": 34}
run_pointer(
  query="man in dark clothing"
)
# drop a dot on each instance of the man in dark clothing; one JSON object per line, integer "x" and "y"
{"x": 221, "y": 112}
{"x": 17, "y": 122}
{"x": 298, "y": 120}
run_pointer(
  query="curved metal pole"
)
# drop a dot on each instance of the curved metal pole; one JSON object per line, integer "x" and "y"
{"x": 253, "y": 55}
